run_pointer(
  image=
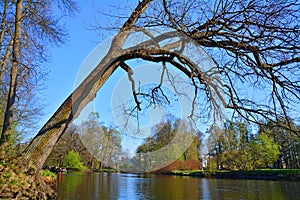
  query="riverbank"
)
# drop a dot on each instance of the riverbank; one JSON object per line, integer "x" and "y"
{"x": 18, "y": 182}
{"x": 259, "y": 174}
{"x": 262, "y": 174}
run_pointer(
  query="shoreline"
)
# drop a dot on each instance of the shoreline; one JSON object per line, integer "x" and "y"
{"x": 262, "y": 174}
{"x": 259, "y": 174}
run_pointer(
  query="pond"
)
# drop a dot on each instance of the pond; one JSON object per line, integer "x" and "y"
{"x": 89, "y": 186}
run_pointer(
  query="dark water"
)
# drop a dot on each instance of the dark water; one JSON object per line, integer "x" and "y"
{"x": 115, "y": 186}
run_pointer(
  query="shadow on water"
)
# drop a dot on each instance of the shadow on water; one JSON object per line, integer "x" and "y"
{"x": 89, "y": 186}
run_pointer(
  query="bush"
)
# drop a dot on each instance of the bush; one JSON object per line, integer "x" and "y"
{"x": 180, "y": 165}
{"x": 211, "y": 168}
{"x": 73, "y": 161}
{"x": 48, "y": 173}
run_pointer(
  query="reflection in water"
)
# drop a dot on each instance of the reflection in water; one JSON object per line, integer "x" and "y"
{"x": 89, "y": 186}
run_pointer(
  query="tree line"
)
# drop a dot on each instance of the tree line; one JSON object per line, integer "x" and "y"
{"x": 162, "y": 147}
{"x": 98, "y": 146}
{"x": 238, "y": 146}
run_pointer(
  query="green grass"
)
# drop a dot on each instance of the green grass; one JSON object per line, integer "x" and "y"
{"x": 6, "y": 164}
{"x": 288, "y": 174}
{"x": 273, "y": 171}
{"x": 48, "y": 173}
{"x": 186, "y": 172}
{"x": 13, "y": 182}
{"x": 109, "y": 170}
{"x": 7, "y": 175}
{"x": 281, "y": 170}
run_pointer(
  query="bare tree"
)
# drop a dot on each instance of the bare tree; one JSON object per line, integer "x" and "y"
{"x": 27, "y": 29}
{"x": 253, "y": 45}
{"x": 8, "y": 117}
{"x": 256, "y": 46}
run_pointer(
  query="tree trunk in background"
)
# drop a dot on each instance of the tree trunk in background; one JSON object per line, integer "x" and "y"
{"x": 3, "y": 23}
{"x": 2, "y": 34}
{"x": 8, "y": 116}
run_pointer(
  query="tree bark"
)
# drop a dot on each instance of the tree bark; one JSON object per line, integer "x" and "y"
{"x": 4, "y": 62}
{"x": 9, "y": 116}
{"x": 3, "y": 22}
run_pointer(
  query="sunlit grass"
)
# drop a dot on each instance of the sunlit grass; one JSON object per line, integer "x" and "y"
{"x": 48, "y": 173}
{"x": 187, "y": 171}
{"x": 288, "y": 174}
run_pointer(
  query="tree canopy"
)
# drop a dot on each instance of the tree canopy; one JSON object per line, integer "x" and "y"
{"x": 255, "y": 45}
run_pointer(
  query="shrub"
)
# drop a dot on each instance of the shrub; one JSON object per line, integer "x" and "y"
{"x": 48, "y": 173}
{"x": 73, "y": 161}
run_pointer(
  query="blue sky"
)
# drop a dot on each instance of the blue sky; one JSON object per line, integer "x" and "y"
{"x": 67, "y": 59}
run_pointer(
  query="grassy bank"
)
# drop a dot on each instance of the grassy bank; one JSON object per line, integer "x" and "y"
{"x": 199, "y": 173}
{"x": 96, "y": 170}
{"x": 264, "y": 174}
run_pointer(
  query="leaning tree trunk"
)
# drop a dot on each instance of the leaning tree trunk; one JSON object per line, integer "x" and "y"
{"x": 42, "y": 144}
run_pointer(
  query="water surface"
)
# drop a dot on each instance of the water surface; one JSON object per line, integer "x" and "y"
{"x": 92, "y": 186}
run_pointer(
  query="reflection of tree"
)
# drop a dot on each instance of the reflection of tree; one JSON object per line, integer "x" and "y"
{"x": 83, "y": 185}
{"x": 178, "y": 188}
